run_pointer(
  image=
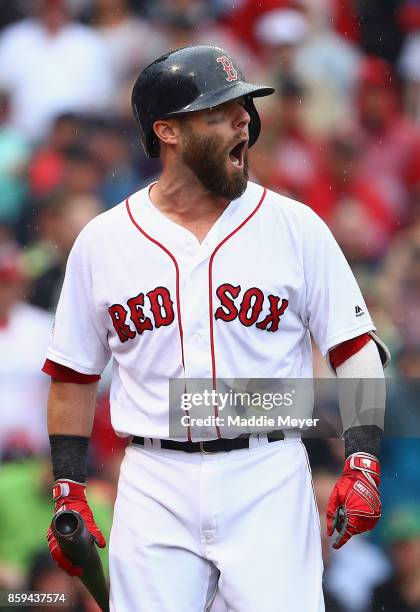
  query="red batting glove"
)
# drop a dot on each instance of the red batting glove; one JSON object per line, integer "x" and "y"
{"x": 70, "y": 495}
{"x": 355, "y": 504}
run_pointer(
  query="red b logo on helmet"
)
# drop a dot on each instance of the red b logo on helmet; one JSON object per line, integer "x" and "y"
{"x": 228, "y": 67}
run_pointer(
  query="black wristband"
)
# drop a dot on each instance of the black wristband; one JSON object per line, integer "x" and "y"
{"x": 363, "y": 439}
{"x": 69, "y": 457}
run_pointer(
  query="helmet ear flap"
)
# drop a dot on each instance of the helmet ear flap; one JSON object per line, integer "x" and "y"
{"x": 153, "y": 147}
{"x": 149, "y": 140}
{"x": 254, "y": 126}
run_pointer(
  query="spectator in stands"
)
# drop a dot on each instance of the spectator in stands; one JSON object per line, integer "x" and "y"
{"x": 288, "y": 159}
{"x": 403, "y": 416}
{"x": 280, "y": 33}
{"x": 46, "y": 577}
{"x": 14, "y": 156}
{"x": 61, "y": 219}
{"x": 185, "y": 22}
{"x": 379, "y": 31}
{"x": 124, "y": 35}
{"x": 302, "y": 44}
{"x": 400, "y": 284}
{"x": 10, "y": 10}
{"x": 187, "y": 12}
{"x": 390, "y": 141}
{"x": 46, "y": 169}
{"x": 24, "y": 335}
{"x": 328, "y": 65}
{"x": 241, "y": 18}
{"x": 82, "y": 172}
{"x": 409, "y": 59}
{"x": 51, "y": 65}
{"x": 62, "y": 163}
{"x": 108, "y": 144}
{"x": 359, "y": 214}
{"x": 401, "y": 444}
{"x": 401, "y": 592}
{"x": 6, "y": 233}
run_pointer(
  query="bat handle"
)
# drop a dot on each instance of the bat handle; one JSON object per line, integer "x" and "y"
{"x": 78, "y": 545}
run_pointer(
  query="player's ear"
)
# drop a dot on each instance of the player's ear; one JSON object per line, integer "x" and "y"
{"x": 168, "y": 131}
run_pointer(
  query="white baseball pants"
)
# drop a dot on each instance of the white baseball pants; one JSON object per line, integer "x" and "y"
{"x": 244, "y": 521}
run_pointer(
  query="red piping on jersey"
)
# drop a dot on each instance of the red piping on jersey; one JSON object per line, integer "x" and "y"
{"x": 213, "y": 358}
{"x": 178, "y": 301}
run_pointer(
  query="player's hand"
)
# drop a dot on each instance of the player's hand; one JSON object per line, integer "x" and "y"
{"x": 355, "y": 504}
{"x": 70, "y": 495}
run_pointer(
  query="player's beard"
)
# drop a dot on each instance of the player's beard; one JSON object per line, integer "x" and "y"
{"x": 206, "y": 157}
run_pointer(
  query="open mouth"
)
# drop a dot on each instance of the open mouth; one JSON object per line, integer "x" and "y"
{"x": 237, "y": 154}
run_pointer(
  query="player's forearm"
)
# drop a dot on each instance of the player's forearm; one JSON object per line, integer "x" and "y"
{"x": 362, "y": 400}
{"x": 71, "y": 408}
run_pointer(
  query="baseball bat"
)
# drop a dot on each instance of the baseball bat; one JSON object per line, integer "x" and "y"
{"x": 78, "y": 545}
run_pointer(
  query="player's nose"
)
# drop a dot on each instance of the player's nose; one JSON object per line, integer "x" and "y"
{"x": 241, "y": 117}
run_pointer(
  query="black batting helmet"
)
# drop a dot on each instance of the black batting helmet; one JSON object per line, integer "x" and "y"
{"x": 190, "y": 79}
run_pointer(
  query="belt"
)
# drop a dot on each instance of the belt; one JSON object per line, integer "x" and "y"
{"x": 211, "y": 446}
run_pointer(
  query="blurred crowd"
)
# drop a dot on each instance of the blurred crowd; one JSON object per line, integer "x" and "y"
{"x": 341, "y": 134}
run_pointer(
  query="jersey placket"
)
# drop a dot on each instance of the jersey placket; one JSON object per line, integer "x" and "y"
{"x": 195, "y": 302}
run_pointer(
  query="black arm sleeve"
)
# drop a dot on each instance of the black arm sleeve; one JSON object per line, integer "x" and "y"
{"x": 69, "y": 457}
{"x": 363, "y": 438}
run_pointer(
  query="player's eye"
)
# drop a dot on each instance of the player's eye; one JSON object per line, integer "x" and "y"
{"x": 220, "y": 108}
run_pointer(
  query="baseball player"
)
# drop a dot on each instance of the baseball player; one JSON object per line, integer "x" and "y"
{"x": 204, "y": 274}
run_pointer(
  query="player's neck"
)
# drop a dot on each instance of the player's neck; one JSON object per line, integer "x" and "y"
{"x": 187, "y": 203}
{"x": 185, "y": 196}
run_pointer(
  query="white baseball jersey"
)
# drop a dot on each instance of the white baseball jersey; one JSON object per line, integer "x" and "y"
{"x": 241, "y": 304}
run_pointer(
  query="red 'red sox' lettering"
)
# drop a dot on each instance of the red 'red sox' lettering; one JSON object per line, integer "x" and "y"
{"x": 118, "y": 315}
{"x": 141, "y": 322}
{"x": 160, "y": 305}
{"x": 223, "y": 293}
{"x": 131, "y": 320}
{"x": 272, "y": 320}
{"x": 250, "y": 308}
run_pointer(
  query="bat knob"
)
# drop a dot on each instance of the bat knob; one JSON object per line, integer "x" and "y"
{"x": 66, "y": 523}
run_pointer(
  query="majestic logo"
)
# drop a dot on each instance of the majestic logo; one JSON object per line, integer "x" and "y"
{"x": 367, "y": 462}
{"x": 229, "y": 68}
{"x": 358, "y": 311}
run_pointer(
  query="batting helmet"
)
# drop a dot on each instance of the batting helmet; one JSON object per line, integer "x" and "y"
{"x": 186, "y": 80}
